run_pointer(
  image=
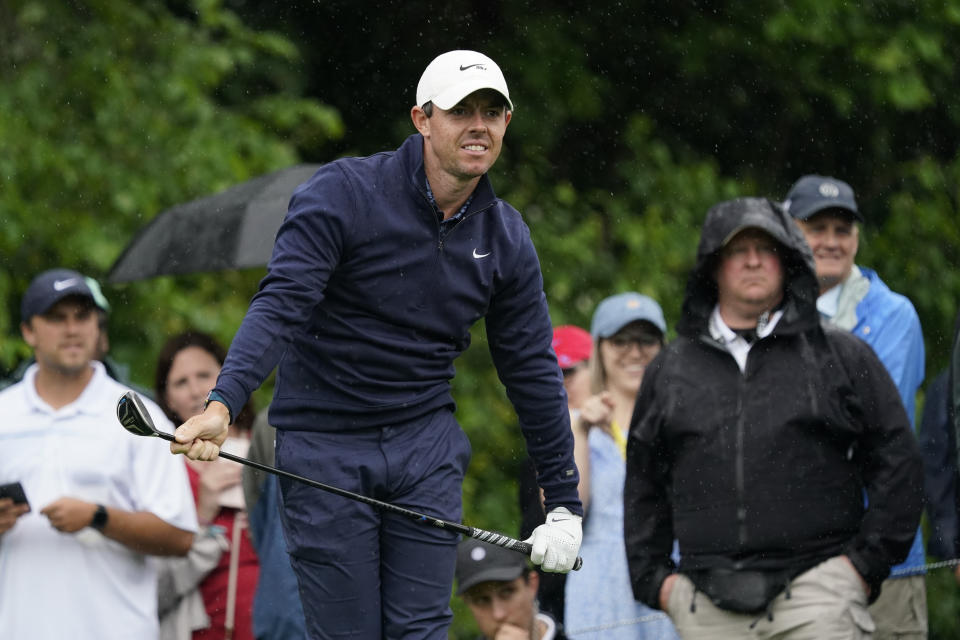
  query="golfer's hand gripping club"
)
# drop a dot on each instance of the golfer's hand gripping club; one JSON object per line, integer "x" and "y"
{"x": 200, "y": 437}
{"x": 555, "y": 543}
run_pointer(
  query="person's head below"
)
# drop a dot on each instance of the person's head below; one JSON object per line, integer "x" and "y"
{"x": 63, "y": 319}
{"x": 498, "y": 586}
{"x": 573, "y": 347}
{"x": 187, "y": 369}
{"x": 462, "y": 111}
{"x": 628, "y": 330}
{"x": 826, "y": 211}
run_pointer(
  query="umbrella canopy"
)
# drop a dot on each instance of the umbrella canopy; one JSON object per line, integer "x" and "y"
{"x": 233, "y": 229}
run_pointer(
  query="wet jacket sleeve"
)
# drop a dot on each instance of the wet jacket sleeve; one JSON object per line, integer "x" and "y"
{"x": 520, "y": 334}
{"x": 953, "y": 411}
{"x": 647, "y": 519}
{"x": 308, "y": 247}
{"x": 890, "y": 465}
{"x": 938, "y": 447}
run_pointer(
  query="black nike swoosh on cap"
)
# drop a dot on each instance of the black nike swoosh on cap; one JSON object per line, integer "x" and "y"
{"x": 464, "y": 68}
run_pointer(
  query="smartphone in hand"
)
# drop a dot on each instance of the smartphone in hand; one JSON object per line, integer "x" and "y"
{"x": 14, "y": 490}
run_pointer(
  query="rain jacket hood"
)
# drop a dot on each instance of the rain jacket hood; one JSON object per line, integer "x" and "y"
{"x": 723, "y": 222}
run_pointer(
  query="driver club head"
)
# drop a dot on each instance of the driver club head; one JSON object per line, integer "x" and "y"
{"x": 133, "y": 415}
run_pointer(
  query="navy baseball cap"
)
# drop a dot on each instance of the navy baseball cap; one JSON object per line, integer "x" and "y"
{"x": 616, "y": 312}
{"x": 483, "y": 562}
{"x": 50, "y": 287}
{"x": 812, "y": 194}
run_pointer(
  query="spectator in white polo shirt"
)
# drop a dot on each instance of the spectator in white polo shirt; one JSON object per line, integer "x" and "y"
{"x": 74, "y": 564}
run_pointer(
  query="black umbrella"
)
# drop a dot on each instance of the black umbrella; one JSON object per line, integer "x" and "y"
{"x": 233, "y": 229}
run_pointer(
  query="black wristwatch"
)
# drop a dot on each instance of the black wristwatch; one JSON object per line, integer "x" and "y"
{"x": 99, "y": 518}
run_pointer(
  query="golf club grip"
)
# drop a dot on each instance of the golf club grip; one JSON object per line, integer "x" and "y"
{"x": 513, "y": 544}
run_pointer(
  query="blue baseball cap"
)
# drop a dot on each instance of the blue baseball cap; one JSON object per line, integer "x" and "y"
{"x": 50, "y": 287}
{"x": 616, "y": 312}
{"x": 812, "y": 194}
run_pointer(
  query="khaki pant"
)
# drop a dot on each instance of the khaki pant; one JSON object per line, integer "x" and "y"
{"x": 900, "y": 612}
{"x": 827, "y": 602}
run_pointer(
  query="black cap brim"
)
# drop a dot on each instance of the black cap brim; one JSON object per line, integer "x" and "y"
{"x": 491, "y": 574}
{"x": 825, "y": 205}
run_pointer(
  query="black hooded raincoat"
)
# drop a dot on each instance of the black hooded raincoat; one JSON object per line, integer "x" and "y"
{"x": 766, "y": 470}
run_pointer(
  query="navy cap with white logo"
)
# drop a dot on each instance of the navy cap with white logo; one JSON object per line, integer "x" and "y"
{"x": 812, "y": 194}
{"x": 50, "y": 287}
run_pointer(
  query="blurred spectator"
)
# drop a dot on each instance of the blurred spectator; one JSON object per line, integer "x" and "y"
{"x": 277, "y": 610}
{"x": 755, "y": 435}
{"x": 938, "y": 443}
{"x": 116, "y": 370}
{"x": 501, "y": 591}
{"x": 855, "y": 299}
{"x": 101, "y": 499}
{"x": 953, "y": 388}
{"x": 938, "y": 446}
{"x": 953, "y": 413}
{"x": 628, "y": 332}
{"x": 572, "y": 345}
{"x": 187, "y": 369}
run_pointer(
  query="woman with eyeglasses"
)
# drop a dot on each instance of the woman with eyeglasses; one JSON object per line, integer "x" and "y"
{"x": 628, "y": 331}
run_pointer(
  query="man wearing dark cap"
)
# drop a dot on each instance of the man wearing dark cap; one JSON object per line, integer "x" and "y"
{"x": 100, "y": 500}
{"x": 501, "y": 592}
{"x": 379, "y": 270}
{"x": 855, "y": 299}
{"x": 116, "y": 370}
{"x": 755, "y": 435}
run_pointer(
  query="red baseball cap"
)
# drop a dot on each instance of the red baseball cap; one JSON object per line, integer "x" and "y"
{"x": 572, "y": 345}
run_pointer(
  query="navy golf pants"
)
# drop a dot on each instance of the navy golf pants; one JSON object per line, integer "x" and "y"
{"x": 364, "y": 573}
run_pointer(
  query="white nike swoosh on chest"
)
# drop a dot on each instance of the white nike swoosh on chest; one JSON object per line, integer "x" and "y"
{"x": 480, "y": 255}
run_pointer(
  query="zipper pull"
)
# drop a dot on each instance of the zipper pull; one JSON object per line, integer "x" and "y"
{"x": 762, "y": 321}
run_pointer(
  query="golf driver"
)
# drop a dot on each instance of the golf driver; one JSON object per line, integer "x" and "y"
{"x": 135, "y": 418}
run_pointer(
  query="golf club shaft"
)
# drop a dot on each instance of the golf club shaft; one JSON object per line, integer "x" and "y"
{"x": 480, "y": 534}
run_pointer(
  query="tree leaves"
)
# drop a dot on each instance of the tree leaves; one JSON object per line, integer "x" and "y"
{"x": 115, "y": 111}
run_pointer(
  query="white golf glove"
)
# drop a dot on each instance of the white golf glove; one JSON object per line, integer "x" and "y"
{"x": 556, "y": 542}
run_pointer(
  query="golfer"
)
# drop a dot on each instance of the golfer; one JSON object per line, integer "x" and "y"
{"x": 379, "y": 270}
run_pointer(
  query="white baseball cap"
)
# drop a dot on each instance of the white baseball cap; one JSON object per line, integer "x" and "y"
{"x": 454, "y": 75}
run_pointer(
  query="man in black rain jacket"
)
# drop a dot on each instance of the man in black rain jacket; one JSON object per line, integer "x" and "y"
{"x": 756, "y": 434}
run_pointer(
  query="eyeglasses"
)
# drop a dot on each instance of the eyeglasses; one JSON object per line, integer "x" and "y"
{"x": 623, "y": 343}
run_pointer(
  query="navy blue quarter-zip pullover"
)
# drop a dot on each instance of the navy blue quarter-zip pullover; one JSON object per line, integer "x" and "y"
{"x": 368, "y": 301}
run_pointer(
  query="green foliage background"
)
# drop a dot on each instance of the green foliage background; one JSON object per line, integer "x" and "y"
{"x": 631, "y": 120}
